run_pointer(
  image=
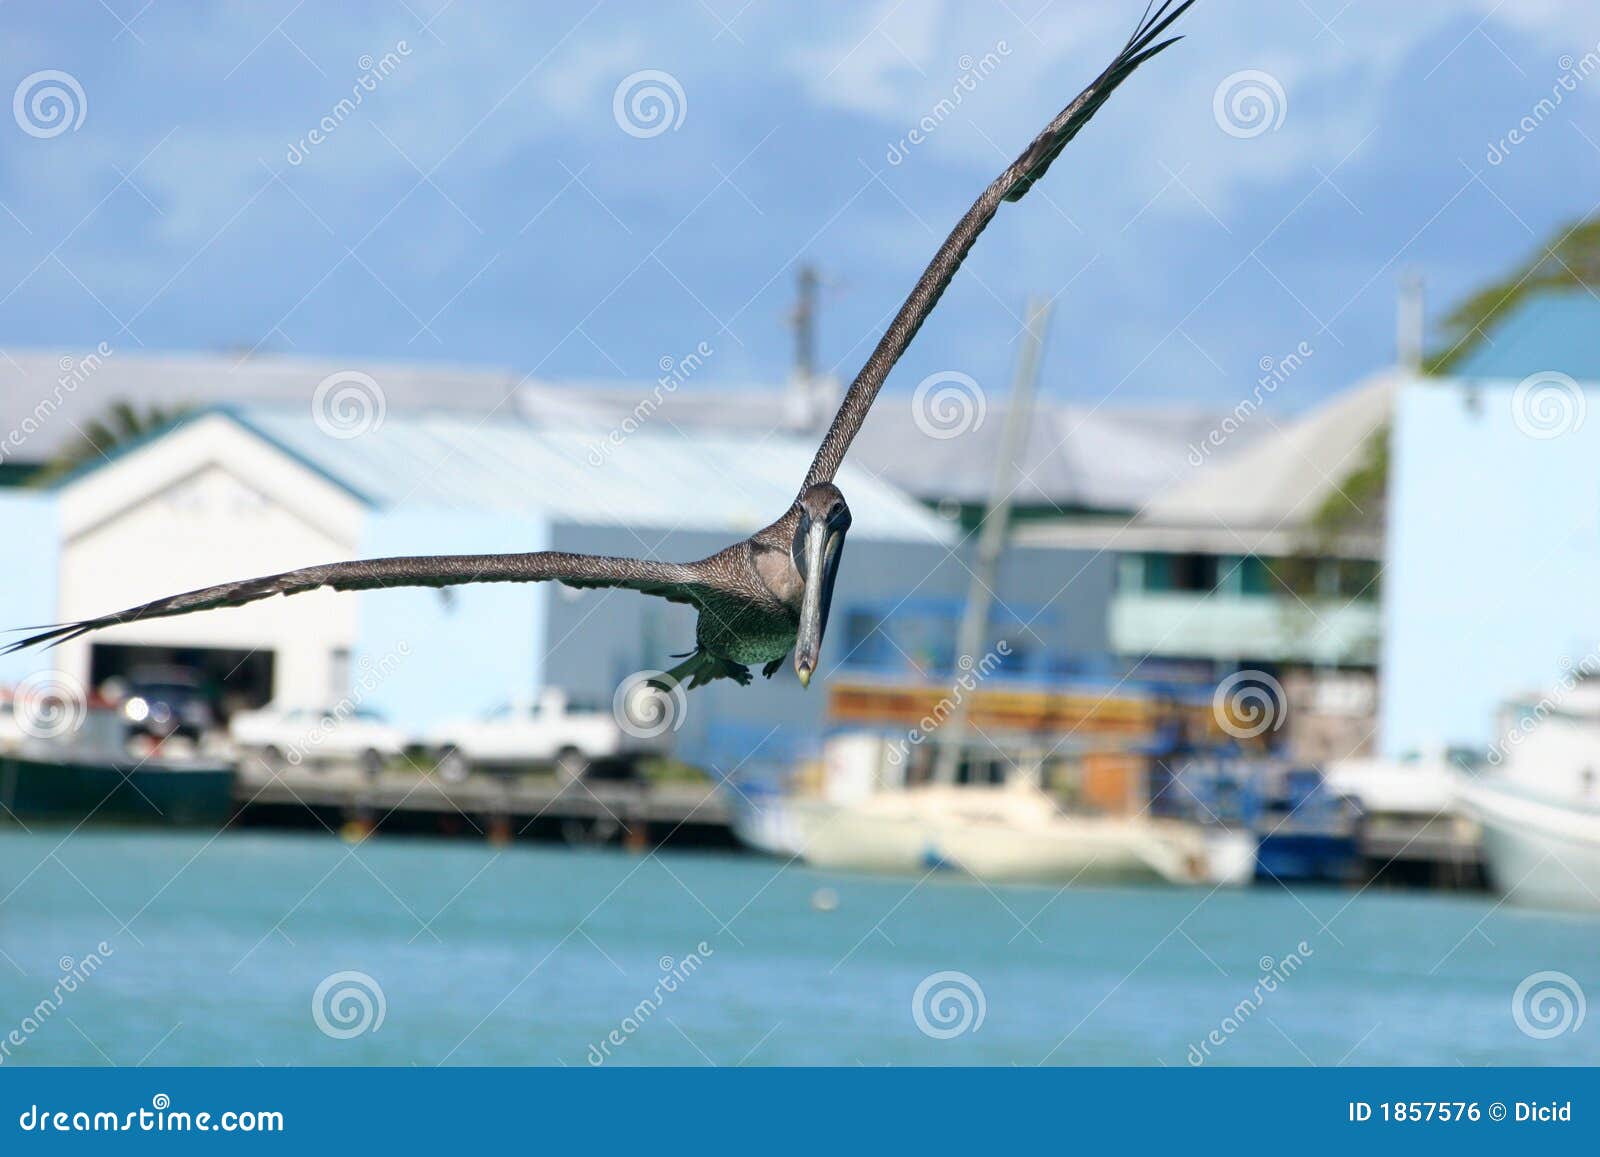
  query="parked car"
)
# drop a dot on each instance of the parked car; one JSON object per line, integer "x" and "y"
{"x": 301, "y": 736}
{"x": 162, "y": 702}
{"x": 573, "y": 735}
{"x": 11, "y": 733}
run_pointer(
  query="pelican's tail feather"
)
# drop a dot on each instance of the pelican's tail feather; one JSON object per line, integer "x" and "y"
{"x": 700, "y": 668}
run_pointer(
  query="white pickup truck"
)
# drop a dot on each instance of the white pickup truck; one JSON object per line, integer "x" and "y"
{"x": 570, "y": 734}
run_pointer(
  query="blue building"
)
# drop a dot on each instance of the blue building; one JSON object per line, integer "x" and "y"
{"x": 1493, "y": 560}
{"x": 230, "y": 492}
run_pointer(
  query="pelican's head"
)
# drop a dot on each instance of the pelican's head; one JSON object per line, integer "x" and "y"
{"x": 818, "y": 543}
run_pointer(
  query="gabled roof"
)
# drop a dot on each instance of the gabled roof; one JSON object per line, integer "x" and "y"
{"x": 1552, "y": 331}
{"x": 1282, "y": 480}
{"x": 1261, "y": 498}
{"x": 651, "y": 478}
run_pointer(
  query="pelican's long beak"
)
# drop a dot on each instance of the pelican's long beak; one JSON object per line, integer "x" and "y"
{"x": 821, "y": 564}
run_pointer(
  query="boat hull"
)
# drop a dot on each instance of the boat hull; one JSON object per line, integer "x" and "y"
{"x": 1538, "y": 851}
{"x": 74, "y": 791}
{"x": 893, "y": 837}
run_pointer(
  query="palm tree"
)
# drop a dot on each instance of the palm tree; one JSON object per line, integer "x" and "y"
{"x": 119, "y": 426}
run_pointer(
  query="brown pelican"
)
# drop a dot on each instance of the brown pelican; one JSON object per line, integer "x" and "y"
{"x": 760, "y": 598}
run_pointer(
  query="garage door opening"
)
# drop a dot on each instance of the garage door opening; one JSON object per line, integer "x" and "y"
{"x": 231, "y": 680}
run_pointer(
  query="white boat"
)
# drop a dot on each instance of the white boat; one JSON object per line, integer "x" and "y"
{"x": 1539, "y": 851}
{"x": 1538, "y": 803}
{"x": 1003, "y": 833}
{"x": 1419, "y": 784}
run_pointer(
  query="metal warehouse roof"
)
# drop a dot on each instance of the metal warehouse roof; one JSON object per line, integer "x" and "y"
{"x": 1095, "y": 457}
{"x": 657, "y": 478}
{"x": 29, "y": 377}
{"x": 1555, "y": 330}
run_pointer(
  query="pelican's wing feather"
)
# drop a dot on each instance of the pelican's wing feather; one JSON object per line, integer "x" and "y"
{"x": 678, "y": 582}
{"x": 1011, "y": 185}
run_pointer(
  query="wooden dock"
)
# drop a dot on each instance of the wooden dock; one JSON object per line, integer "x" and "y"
{"x": 633, "y": 812}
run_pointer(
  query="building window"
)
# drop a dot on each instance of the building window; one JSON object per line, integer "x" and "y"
{"x": 1180, "y": 572}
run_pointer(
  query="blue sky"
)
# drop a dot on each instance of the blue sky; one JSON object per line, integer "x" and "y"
{"x": 483, "y": 205}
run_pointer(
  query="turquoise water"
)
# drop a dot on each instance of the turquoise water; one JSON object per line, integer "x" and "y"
{"x": 534, "y": 955}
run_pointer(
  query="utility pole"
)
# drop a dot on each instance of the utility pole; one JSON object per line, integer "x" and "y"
{"x": 1410, "y": 320}
{"x": 804, "y": 320}
{"x": 992, "y": 536}
{"x": 803, "y": 386}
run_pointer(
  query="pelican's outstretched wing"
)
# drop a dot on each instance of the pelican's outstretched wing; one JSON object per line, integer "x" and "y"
{"x": 1009, "y": 186}
{"x": 678, "y": 582}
